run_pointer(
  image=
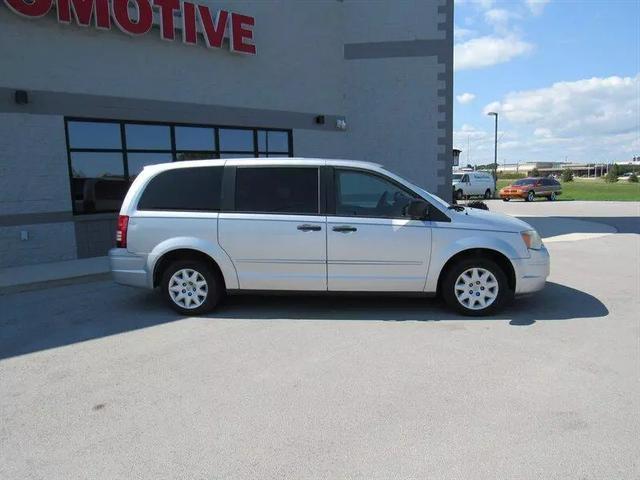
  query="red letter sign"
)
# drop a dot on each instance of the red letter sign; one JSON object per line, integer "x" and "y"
{"x": 167, "y": 31}
{"x": 189, "y": 23}
{"x": 124, "y": 22}
{"x": 83, "y": 11}
{"x": 239, "y": 33}
{"x": 35, "y": 8}
{"x": 213, "y": 33}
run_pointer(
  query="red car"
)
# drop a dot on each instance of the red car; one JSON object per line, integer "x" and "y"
{"x": 532, "y": 187}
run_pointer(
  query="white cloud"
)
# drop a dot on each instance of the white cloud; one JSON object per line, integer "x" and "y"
{"x": 499, "y": 17}
{"x": 465, "y": 98}
{"x": 460, "y": 33}
{"x": 487, "y": 51}
{"x": 536, "y": 6}
{"x": 592, "y": 106}
{"x": 590, "y": 120}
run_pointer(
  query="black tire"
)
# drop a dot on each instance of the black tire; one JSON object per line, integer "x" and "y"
{"x": 487, "y": 194}
{"x": 448, "y": 286}
{"x": 530, "y": 196}
{"x": 215, "y": 286}
{"x": 506, "y": 199}
{"x": 459, "y": 195}
{"x": 552, "y": 197}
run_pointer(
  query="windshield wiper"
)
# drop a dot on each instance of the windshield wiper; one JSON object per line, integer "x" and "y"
{"x": 457, "y": 208}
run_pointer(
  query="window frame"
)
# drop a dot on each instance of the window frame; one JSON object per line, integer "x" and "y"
{"x": 173, "y": 151}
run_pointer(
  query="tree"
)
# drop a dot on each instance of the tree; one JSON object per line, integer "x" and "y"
{"x": 633, "y": 178}
{"x": 567, "y": 175}
{"x": 534, "y": 172}
{"x": 611, "y": 176}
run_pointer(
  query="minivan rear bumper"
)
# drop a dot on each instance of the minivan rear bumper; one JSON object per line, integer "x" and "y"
{"x": 128, "y": 268}
{"x": 531, "y": 273}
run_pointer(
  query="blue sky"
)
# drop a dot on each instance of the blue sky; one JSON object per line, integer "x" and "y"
{"x": 564, "y": 76}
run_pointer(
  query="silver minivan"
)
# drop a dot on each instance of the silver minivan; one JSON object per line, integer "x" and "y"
{"x": 198, "y": 230}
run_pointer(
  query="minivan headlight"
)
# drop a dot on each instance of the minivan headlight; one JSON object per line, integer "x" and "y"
{"x": 531, "y": 239}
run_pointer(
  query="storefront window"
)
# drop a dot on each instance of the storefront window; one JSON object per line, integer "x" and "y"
{"x": 137, "y": 161}
{"x": 106, "y": 156}
{"x": 194, "y": 138}
{"x": 148, "y": 137}
{"x": 236, "y": 140}
{"x": 94, "y": 135}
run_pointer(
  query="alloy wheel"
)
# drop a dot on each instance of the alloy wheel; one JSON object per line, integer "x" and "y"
{"x": 476, "y": 288}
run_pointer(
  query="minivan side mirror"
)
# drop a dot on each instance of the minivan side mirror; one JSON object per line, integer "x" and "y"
{"x": 418, "y": 210}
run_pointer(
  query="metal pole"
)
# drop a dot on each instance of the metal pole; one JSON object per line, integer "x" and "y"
{"x": 495, "y": 152}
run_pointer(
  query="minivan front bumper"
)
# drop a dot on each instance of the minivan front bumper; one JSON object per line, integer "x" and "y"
{"x": 128, "y": 268}
{"x": 531, "y": 273}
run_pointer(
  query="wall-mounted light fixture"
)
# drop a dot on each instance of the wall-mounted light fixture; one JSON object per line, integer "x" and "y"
{"x": 320, "y": 119}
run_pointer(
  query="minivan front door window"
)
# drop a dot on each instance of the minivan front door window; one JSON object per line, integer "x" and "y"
{"x": 362, "y": 194}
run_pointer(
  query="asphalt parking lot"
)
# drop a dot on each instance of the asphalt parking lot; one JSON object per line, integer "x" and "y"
{"x": 103, "y": 381}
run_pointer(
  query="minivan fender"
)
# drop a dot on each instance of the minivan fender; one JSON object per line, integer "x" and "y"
{"x": 213, "y": 250}
{"x": 441, "y": 256}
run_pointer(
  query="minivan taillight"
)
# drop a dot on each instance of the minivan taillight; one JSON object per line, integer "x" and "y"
{"x": 121, "y": 233}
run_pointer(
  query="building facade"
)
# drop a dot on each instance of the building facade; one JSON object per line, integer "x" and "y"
{"x": 92, "y": 90}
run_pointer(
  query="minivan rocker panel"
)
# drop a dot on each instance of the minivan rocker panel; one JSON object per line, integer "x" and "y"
{"x": 199, "y": 229}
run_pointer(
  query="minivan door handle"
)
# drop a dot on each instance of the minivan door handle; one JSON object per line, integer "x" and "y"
{"x": 344, "y": 229}
{"x": 309, "y": 228}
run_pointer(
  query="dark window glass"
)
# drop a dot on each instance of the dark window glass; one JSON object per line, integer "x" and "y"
{"x": 192, "y": 138}
{"x": 273, "y": 141}
{"x": 184, "y": 189}
{"x": 361, "y": 194}
{"x": 277, "y": 190}
{"x": 98, "y": 183}
{"x": 277, "y": 141}
{"x": 94, "y": 135}
{"x": 465, "y": 178}
{"x": 137, "y": 161}
{"x": 236, "y": 155}
{"x": 147, "y": 137}
{"x": 262, "y": 140}
{"x": 232, "y": 140}
{"x": 97, "y": 164}
{"x": 196, "y": 156}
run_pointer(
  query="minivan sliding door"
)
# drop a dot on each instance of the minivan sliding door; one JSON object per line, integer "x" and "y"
{"x": 275, "y": 234}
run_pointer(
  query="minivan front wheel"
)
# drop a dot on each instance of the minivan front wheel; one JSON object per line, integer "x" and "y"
{"x": 476, "y": 287}
{"x": 190, "y": 287}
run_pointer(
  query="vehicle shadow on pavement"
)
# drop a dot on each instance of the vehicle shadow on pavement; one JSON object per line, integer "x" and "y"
{"x": 555, "y": 302}
{"x": 37, "y": 320}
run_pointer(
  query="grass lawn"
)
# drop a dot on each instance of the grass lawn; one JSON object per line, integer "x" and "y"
{"x": 583, "y": 189}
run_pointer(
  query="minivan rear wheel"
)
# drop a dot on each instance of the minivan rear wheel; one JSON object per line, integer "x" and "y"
{"x": 191, "y": 287}
{"x": 487, "y": 194}
{"x": 476, "y": 287}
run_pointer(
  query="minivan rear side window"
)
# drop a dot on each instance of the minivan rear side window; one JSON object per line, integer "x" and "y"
{"x": 277, "y": 190}
{"x": 189, "y": 189}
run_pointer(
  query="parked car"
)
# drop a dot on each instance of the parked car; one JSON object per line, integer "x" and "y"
{"x": 532, "y": 187}
{"x": 625, "y": 176}
{"x": 469, "y": 184}
{"x": 200, "y": 229}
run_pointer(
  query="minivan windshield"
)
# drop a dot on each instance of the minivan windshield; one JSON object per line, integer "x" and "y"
{"x": 457, "y": 177}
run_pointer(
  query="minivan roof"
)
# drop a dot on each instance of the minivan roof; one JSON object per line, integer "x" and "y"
{"x": 262, "y": 162}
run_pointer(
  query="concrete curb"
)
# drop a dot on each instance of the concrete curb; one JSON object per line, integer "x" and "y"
{"x": 27, "y": 287}
{"x": 47, "y": 275}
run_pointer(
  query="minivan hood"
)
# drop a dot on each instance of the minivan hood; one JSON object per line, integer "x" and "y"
{"x": 476, "y": 219}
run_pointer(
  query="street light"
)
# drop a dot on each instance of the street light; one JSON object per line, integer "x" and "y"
{"x": 495, "y": 149}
